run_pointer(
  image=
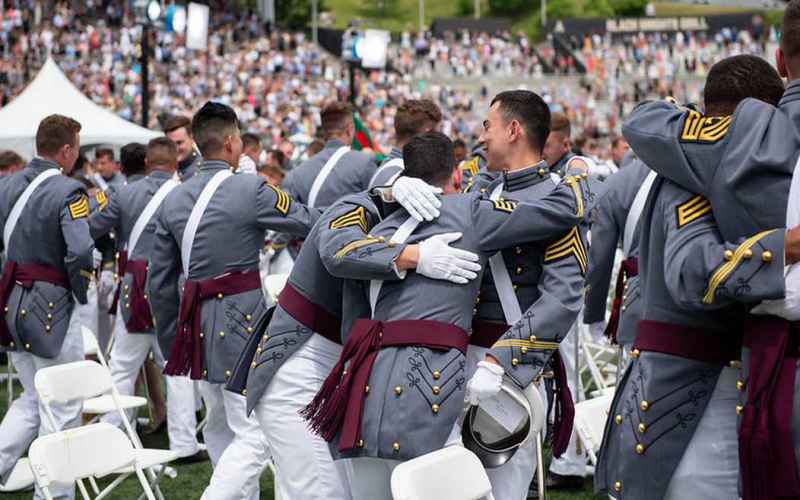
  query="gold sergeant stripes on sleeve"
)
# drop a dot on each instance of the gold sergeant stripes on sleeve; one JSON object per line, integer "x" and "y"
{"x": 102, "y": 199}
{"x": 722, "y": 273}
{"x": 539, "y": 344}
{"x": 709, "y": 129}
{"x": 283, "y": 200}
{"x": 470, "y": 166}
{"x": 570, "y": 244}
{"x": 574, "y": 182}
{"x": 355, "y": 245}
{"x": 504, "y": 205}
{"x": 355, "y": 217}
{"x": 79, "y": 208}
{"x": 691, "y": 210}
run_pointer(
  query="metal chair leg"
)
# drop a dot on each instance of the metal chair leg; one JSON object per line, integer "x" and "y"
{"x": 540, "y": 465}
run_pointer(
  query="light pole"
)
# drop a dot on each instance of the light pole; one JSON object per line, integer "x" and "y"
{"x": 421, "y": 16}
{"x": 147, "y": 13}
{"x": 315, "y": 21}
{"x": 544, "y": 13}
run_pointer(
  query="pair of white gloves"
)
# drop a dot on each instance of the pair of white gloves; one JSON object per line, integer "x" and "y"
{"x": 438, "y": 260}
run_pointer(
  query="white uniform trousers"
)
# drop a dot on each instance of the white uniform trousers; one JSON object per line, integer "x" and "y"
{"x": 235, "y": 443}
{"x": 709, "y": 468}
{"x": 573, "y": 461}
{"x": 128, "y": 353}
{"x": 25, "y": 419}
{"x": 303, "y": 462}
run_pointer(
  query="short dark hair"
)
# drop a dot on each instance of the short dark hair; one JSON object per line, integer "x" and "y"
{"x": 334, "y": 117}
{"x": 250, "y": 140}
{"x": 279, "y": 156}
{"x": 161, "y": 151}
{"x": 104, "y": 152}
{"x": 8, "y": 159}
{"x": 175, "y": 122}
{"x": 211, "y": 124}
{"x": 459, "y": 143}
{"x": 131, "y": 158}
{"x": 559, "y": 122}
{"x": 734, "y": 79}
{"x": 429, "y": 157}
{"x": 54, "y": 132}
{"x": 530, "y": 111}
{"x": 790, "y": 32}
{"x": 413, "y": 116}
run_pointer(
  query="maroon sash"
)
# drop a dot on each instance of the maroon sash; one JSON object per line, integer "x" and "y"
{"x": 628, "y": 269}
{"x": 310, "y": 315}
{"x": 187, "y": 351}
{"x": 140, "y": 319}
{"x": 25, "y": 275}
{"x": 339, "y": 403}
{"x": 688, "y": 342}
{"x": 486, "y": 333}
{"x": 766, "y": 450}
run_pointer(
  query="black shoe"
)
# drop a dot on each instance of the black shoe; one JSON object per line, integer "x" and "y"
{"x": 200, "y": 456}
{"x": 149, "y": 430}
{"x": 559, "y": 482}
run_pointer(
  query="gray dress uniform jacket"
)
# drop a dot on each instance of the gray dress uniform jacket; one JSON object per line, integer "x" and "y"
{"x": 416, "y": 393}
{"x": 560, "y": 166}
{"x": 351, "y": 175}
{"x": 547, "y": 276}
{"x": 51, "y": 231}
{"x": 662, "y": 396}
{"x": 389, "y": 170}
{"x": 608, "y": 228}
{"x": 228, "y": 239}
{"x": 120, "y": 214}
{"x": 350, "y": 218}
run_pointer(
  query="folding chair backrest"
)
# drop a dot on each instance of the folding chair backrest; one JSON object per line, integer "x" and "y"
{"x": 590, "y": 421}
{"x": 423, "y": 478}
{"x": 93, "y": 450}
{"x": 72, "y": 381}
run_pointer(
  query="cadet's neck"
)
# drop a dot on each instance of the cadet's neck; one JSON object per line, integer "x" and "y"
{"x": 522, "y": 159}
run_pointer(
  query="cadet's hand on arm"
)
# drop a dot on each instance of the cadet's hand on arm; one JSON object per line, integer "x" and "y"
{"x": 417, "y": 197}
{"x": 792, "y": 245}
{"x": 485, "y": 383}
{"x": 434, "y": 258}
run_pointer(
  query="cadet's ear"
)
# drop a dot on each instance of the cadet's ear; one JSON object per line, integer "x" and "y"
{"x": 456, "y": 178}
{"x": 781, "y": 62}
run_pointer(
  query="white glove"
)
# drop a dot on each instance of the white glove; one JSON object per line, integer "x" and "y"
{"x": 417, "y": 197}
{"x": 105, "y": 288}
{"x": 97, "y": 259}
{"x": 597, "y": 330}
{"x": 439, "y": 261}
{"x": 485, "y": 383}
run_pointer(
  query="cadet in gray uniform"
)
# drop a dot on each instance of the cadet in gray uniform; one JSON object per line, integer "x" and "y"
{"x": 405, "y": 378}
{"x": 48, "y": 267}
{"x": 303, "y": 343}
{"x": 210, "y": 228}
{"x": 617, "y": 219}
{"x": 558, "y": 149}
{"x": 131, "y": 213}
{"x": 106, "y": 176}
{"x": 178, "y": 130}
{"x": 544, "y": 277}
{"x": 673, "y": 413}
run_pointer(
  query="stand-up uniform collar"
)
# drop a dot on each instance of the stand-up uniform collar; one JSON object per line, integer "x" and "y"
{"x": 43, "y": 164}
{"x": 160, "y": 174}
{"x": 791, "y": 94}
{"x": 333, "y": 143}
{"x": 214, "y": 165}
{"x": 526, "y": 177}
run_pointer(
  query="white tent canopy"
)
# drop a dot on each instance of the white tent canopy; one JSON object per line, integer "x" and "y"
{"x": 51, "y": 92}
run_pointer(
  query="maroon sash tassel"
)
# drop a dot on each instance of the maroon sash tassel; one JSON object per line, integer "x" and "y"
{"x": 564, "y": 407}
{"x": 766, "y": 450}
{"x": 339, "y": 403}
{"x": 140, "y": 319}
{"x": 186, "y": 355}
{"x": 628, "y": 269}
{"x": 122, "y": 263}
{"x": 25, "y": 275}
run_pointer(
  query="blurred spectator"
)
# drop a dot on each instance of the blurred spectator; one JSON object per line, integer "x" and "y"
{"x": 10, "y": 162}
{"x": 460, "y": 150}
{"x": 251, "y": 153}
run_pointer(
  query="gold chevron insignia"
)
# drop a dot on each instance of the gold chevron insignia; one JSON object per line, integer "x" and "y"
{"x": 570, "y": 244}
{"x": 101, "y": 199}
{"x": 355, "y": 245}
{"x": 355, "y": 217}
{"x": 283, "y": 200}
{"x": 539, "y": 344}
{"x": 691, "y": 210}
{"x": 468, "y": 187}
{"x": 723, "y": 271}
{"x": 79, "y": 209}
{"x": 504, "y": 205}
{"x": 704, "y": 129}
{"x": 470, "y": 166}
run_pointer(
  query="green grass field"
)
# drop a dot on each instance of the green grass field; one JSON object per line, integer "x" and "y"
{"x": 192, "y": 479}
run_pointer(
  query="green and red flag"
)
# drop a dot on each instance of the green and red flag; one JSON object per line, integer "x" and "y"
{"x": 363, "y": 140}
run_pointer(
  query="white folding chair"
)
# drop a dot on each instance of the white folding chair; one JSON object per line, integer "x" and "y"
{"x": 590, "y": 423}
{"x": 422, "y": 477}
{"x": 274, "y": 283}
{"x": 97, "y": 450}
{"x": 88, "y": 381}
